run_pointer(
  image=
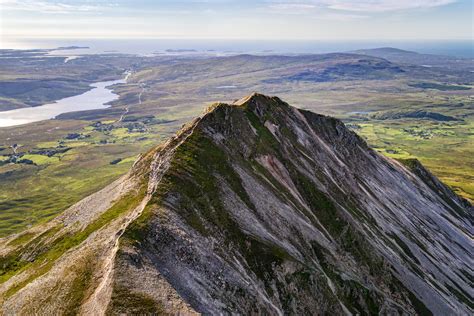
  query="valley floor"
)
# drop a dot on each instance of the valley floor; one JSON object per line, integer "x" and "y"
{"x": 47, "y": 166}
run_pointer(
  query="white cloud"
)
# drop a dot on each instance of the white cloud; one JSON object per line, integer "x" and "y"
{"x": 281, "y": 6}
{"x": 292, "y": 6}
{"x": 385, "y": 5}
{"x": 357, "y": 5}
{"x": 313, "y": 11}
{"x": 341, "y": 17}
{"x": 48, "y": 7}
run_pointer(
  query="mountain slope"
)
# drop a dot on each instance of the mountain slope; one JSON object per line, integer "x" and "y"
{"x": 455, "y": 65}
{"x": 254, "y": 208}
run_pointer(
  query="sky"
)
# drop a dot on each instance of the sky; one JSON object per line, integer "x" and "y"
{"x": 243, "y": 19}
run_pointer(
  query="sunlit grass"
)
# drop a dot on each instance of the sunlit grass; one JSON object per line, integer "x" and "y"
{"x": 447, "y": 151}
{"x": 32, "y": 194}
{"x": 41, "y": 159}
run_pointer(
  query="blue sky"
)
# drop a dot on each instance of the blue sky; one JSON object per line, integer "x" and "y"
{"x": 232, "y": 19}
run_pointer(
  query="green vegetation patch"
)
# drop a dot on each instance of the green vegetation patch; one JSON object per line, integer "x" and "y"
{"x": 193, "y": 174}
{"x": 193, "y": 178}
{"x": 357, "y": 298}
{"x": 445, "y": 148}
{"x": 21, "y": 239}
{"x": 321, "y": 205}
{"x": 125, "y": 301}
{"x": 52, "y": 250}
{"x": 41, "y": 159}
{"x": 79, "y": 286}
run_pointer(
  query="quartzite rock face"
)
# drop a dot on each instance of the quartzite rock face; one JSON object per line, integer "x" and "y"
{"x": 266, "y": 209}
{"x": 261, "y": 208}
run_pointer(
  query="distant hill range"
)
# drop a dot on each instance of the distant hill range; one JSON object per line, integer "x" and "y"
{"x": 408, "y": 57}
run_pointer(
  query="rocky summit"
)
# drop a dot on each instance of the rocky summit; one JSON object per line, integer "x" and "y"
{"x": 255, "y": 207}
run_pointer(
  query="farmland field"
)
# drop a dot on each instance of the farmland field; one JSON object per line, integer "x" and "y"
{"x": 402, "y": 109}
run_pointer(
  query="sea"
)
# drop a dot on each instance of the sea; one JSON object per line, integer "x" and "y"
{"x": 457, "y": 48}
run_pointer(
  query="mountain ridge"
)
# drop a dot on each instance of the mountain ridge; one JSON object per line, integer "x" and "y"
{"x": 259, "y": 207}
{"x": 386, "y": 49}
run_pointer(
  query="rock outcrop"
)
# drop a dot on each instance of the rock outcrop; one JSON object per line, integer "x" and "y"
{"x": 256, "y": 207}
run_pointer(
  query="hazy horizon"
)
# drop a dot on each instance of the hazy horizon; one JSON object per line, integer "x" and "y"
{"x": 456, "y": 48}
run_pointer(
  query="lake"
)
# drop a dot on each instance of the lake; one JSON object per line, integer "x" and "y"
{"x": 96, "y": 98}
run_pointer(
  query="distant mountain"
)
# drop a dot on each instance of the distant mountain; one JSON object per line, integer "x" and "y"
{"x": 256, "y": 207}
{"x": 414, "y": 114}
{"x": 340, "y": 67}
{"x": 382, "y": 51}
{"x": 70, "y": 48}
{"x": 400, "y": 56}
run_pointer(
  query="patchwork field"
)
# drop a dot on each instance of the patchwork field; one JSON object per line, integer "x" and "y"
{"x": 52, "y": 172}
{"x": 446, "y": 149}
{"x": 401, "y": 108}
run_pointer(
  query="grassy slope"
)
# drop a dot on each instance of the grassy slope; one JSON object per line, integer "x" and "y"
{"x": 35, "y": 193}
{"x": 446, "y": 148}
{"x": 53, "y": 243}
{"x": 448, "y": 154}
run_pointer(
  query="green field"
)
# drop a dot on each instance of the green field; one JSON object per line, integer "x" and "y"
{"x": 446, "y": 149}
{"x": 52, "y": 172}
{"x": 33, "y": 193}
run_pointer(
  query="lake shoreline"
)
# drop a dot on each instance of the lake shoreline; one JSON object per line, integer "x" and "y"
{"x": 98, "y": 97}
